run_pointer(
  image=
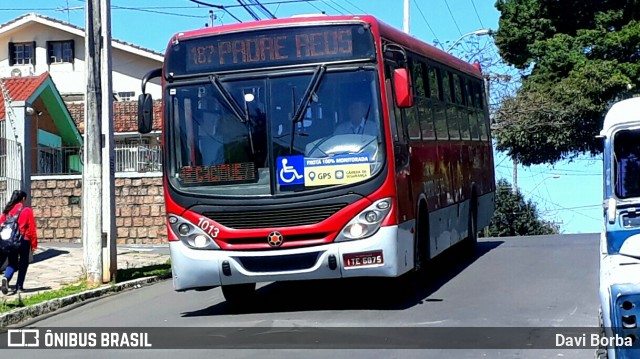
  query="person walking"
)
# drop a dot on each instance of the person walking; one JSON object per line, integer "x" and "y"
{"x": 19, "y": 259}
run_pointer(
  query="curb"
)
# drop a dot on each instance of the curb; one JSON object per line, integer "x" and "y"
{"x": 33, "y": 311}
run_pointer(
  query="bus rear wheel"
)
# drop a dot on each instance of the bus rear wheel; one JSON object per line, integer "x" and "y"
{"x": 238, "y": 293}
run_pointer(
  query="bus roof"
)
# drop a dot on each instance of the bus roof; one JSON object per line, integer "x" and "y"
{"x": 386, "y": 31}
{"x": 623, "y": 112}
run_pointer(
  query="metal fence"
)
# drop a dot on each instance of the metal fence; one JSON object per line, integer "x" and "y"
{"x": 10, "y": 167}
{"x": 68, "y": 160}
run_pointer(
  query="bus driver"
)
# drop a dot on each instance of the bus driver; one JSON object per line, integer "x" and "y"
{"x": 358, "y": 122}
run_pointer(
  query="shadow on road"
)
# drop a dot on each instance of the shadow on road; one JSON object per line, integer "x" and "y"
{"x": 356, "y": 293}
{"x": 47, "y": 254}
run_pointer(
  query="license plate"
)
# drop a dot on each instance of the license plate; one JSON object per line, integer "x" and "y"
{"x": 363, "y": 259}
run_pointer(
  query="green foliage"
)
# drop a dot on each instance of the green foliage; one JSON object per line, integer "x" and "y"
{"x": 582, "y": 57}
{"x": 8, "y": 305}
{"x": 514, "y": 216}
{"x": 159, "y": 270}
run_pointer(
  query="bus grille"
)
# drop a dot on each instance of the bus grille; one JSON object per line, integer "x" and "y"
{"x": 279, "y": 263}
{"x": 275, "y": 218}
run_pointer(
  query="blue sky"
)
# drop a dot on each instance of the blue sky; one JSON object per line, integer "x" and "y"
{"x": 567, "y": 193}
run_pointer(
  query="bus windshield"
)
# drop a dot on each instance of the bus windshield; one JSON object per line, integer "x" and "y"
{"x": 241, "y": 137}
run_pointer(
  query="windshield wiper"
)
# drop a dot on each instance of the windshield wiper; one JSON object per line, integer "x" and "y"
{"x": 238, "y": 112}
{"x": 304, "y": 103}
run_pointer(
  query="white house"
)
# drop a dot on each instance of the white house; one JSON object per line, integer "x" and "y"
{"x": 34, "y": 44}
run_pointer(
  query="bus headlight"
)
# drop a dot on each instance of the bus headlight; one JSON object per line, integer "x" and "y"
{"x": 190, "y": 234}
{"x": 367, "y": 222}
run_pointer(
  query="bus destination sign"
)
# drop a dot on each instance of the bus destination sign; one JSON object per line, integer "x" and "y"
{"x": 273, "y": 47}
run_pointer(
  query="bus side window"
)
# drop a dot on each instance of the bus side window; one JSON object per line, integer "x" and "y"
{"x": 471, "y": 111}
{"x": 480, "y": 114}
{"x": 438, "y": 108}
{"x": 426, "y": 119}
{"x": 451, "y": 110}
{"x": 463, "y": 117}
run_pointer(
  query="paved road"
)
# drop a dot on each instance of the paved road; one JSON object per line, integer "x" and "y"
{"x": 547, "y": 281}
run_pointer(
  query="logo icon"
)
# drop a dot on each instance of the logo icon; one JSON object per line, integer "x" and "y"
{"x": 290, "y": 170}
{"x": 275, "y": 239}
{"x": 23, "y": 338}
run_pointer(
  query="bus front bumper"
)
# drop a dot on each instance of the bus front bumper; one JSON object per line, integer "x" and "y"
{"x": 193, "y": 269}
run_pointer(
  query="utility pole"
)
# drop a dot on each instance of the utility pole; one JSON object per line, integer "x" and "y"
{"x": 109, "y": 234}
{"x": 92, "y": 171}
{"x": 405, "y": 26}
{"x": 212, "y": 17}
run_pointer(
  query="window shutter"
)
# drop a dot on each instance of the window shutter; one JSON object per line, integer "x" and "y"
{"x": 12, "y": 54}
{"x": 33, "y": 43}
{"x": 49, "y": 52}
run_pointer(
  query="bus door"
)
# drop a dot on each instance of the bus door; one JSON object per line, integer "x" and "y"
{"x": 401, "y": 151}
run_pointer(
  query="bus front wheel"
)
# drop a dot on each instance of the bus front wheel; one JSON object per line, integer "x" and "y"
{"x": 238, "y": 293}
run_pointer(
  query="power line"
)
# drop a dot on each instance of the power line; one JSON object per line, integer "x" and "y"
{"x": 334, "y": 9}
{"x": 342, "y": 7}
{"x": 249, "y": 10}
{"x": 217, "y": 7}
{"x": 263, "y": 9}
{"x": 427, "y": 22}
{"x": 454, "y": 19}
{"x": 478, "y": 15}
{"x": 315, "y": 7}
{"x": 356, "y": 7}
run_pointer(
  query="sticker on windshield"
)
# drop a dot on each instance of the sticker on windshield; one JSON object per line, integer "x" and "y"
{"x": 290, "y": 170}
{"x": 336, "y": 170}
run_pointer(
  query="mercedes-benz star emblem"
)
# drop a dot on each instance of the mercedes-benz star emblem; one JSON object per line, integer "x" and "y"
{"x": 275, "y": 239}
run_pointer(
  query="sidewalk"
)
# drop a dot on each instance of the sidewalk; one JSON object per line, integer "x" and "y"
{"x": 58, "y": 264}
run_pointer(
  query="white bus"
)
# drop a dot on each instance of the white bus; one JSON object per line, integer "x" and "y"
{"x": 620, "y": 239}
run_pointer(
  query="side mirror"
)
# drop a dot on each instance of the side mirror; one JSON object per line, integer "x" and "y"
{"x": 145, "y": 113}
{"x": 611, "y": 210}
{"x": 403, "y": 88}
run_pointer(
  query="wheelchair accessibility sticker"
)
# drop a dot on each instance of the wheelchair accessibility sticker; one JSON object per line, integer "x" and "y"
{"x": 290, "y": 170}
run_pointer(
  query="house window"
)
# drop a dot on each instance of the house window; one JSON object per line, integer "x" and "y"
{"x": 49, "y": 160}
{"x": 22, "y": 53}
{"x": 126, "y": 96}
{"x": 60, "y": 51}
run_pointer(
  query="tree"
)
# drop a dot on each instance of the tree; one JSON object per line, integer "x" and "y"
{"x": 515, "y": 217}
{"x": 581, "y": 55}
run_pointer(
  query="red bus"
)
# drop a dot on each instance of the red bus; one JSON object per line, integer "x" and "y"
{"x": 317, "y": 147}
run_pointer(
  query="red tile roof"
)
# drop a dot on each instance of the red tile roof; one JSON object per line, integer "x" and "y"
{"x": 20, "y": 89}
{"x": 125, "y": 116}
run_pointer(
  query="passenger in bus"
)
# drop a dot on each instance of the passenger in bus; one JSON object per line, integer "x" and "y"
{"x": 210, "y": 140}
{"x": 359, "y": 121}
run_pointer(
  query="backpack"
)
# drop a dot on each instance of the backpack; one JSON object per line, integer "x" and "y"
{"x": 10, "y": 236}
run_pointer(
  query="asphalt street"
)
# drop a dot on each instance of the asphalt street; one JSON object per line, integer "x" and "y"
{"x": 542, "y": 282}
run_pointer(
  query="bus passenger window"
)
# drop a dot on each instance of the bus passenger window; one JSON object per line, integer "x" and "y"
{"x": 433, "y": 83}
{"x": 482, "y": 124}
{"x": 453, "y": 121}
{"x": 473, "y": 124}
{"x": 426, "y": 120}
{"x": 441, "y": 122}
{"x": 413, "y": 126}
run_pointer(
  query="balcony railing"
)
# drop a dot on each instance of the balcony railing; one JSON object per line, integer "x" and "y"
{"x": 67, "y": 160}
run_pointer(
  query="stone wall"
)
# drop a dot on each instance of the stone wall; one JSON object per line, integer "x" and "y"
{"x": 140, "y": 215}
